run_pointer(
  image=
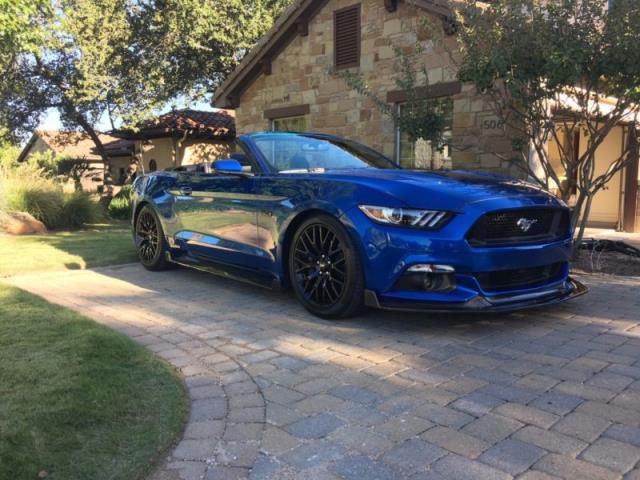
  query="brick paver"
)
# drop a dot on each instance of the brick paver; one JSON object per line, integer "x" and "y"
{"x": 279, "y": 394}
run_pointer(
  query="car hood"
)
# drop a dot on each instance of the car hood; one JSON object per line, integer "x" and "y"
{"x": 456, "y": 188}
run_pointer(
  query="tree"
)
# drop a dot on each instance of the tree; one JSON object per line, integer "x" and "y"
{"x": 15, "y": 27}
{"x": 553, "y": 69}
{"x": 19, "y": 33}
{"x": 120, "y": 58}
{"x": 199, "y": 42}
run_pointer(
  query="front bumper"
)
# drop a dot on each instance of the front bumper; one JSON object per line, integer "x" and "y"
{"x": 507, "y": 302}
{"x": 493, "y": 278}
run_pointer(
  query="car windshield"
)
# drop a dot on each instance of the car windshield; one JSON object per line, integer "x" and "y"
{"x": 300, "y": 153}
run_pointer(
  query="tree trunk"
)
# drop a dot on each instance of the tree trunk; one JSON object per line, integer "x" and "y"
{"x": 69, "y": 108}
{"x": 89, "y": 130}
{"x": 583, "y": 223}
{"x": 575, "y": 214}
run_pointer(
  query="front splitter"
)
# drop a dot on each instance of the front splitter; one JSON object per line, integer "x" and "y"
{"x": 571, "y": 288}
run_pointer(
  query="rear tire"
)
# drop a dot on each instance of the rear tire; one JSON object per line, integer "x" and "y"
{"x": 325, "y": 269}
{"x": 150, "y": 242}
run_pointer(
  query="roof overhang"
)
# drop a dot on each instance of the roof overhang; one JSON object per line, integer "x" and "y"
{"x": 293, "y": 22}
{"x": 567, "y": 106}
{"x": 116, "y": 153}
{"x": 25, "y": 151}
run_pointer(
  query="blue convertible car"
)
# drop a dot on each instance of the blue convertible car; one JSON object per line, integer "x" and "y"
{"x": 345, "y": 228}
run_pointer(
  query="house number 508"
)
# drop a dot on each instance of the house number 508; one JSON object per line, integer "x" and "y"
{"x": 492, "y": 124}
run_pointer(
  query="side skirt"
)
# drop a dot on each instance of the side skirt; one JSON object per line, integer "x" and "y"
{"x": 227, "y": 271}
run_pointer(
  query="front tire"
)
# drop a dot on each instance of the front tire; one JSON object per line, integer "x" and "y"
{"x": 150, "y": 242}
{"x": 325, "y": 269}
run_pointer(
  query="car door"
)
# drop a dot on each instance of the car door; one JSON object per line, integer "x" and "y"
{"x": 217, "y": 218}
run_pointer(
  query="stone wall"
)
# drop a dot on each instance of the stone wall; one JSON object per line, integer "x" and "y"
{"x": 302, "y": 74}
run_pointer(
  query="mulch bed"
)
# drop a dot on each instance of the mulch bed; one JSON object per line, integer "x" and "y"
{"x": 610, "y": 263}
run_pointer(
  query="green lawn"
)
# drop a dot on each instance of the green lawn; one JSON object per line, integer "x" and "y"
{"x": 97, "y": 246}
{"x": 78, "y": 400}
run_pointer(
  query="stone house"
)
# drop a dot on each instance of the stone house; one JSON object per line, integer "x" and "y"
{"x": 291, "y": 80}
{"x": 181, "y": 137}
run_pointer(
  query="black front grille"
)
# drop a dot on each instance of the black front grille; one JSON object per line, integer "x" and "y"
{"x": 521, "y": 277}
{"x": 526, "y": 225}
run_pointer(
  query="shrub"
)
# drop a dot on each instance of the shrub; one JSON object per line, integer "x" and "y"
{"x": 27, "y": 189}
{"x": 8, "y": 156}
{"x": 45, "y": 162}
{"x": 23, "y": 190}
{"x": 120, "y": 206}
{"x": 79, "y": 209}
{"x": 64, "y": 169}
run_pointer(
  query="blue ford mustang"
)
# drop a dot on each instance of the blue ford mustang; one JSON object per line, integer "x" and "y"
{"x": 345, "y": 228}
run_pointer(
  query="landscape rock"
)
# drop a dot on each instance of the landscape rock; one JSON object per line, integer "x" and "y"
{"x": 21, "y": 223}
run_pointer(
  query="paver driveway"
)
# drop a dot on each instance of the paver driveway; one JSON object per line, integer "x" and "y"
{"x": 280, "y": 394}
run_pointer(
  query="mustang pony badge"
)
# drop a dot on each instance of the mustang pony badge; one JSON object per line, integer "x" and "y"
{"x": 525, "y": 224}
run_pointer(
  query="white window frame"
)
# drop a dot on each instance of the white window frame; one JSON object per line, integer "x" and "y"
{"x": 398, "y": 134}
{"x": 274, "y": 120}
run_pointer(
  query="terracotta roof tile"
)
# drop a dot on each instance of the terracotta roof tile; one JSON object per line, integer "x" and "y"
{"x": 216, "y": 124}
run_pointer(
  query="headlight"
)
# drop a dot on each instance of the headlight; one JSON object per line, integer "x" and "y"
{"x": 407, "y": 217}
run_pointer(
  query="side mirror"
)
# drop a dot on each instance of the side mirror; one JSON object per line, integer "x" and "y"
{"x": 227, "y": 167}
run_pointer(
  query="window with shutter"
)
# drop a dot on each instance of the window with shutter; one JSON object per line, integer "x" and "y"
{"x": 347, "y": 37}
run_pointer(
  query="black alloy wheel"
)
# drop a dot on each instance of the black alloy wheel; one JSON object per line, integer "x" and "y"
{"x": 319, "y": 259}
{"x": 325, "y": 269}
{"x": 150, "y": 241}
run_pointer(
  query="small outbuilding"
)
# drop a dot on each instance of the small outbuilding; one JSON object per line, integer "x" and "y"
{"x": 182, "y": 137}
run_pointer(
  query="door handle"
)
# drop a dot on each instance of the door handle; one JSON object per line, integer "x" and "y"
{"x": 186, "y": 191}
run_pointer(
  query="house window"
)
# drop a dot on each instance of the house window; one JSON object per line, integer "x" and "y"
{"x": 421, "y": 154}
{"x": 281, "y": 157}
{"x": 153, "y": 165}
{"x": 347, "y": 37}
{"x": 289, "y": 124}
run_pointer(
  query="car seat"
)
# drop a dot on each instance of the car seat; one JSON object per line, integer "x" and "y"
{"x": 298, "y": 162}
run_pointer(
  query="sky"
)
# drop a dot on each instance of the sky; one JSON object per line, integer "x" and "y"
{"x": 51, "y": 120}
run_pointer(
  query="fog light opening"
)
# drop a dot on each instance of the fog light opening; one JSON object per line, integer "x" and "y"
{"x": 428, "y": 281}
{"x": 426, "y": 277}
{"x": 433, "y": 278}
